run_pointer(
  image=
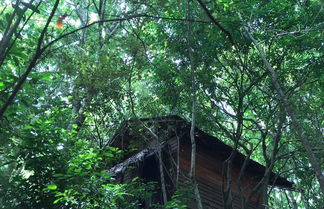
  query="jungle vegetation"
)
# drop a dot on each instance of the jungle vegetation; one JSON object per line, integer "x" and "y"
{"x": 249, "y": 72}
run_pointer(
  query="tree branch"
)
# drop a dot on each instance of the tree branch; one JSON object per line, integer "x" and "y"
{"x": 289, "y": 109}
{"x": 216, "y": 22}
{"x": 32, "y": 64}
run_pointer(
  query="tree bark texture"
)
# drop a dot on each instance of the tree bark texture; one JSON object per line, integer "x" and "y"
{"x": 192, "y": 173}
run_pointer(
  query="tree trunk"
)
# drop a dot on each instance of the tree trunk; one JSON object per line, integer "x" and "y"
{"x": 162, "y": 179}
{"x": 39, "y": 51}
{"x": 289, "y": 109}
{"x": 10, "y": 31}
{"x": 192, "y": 173}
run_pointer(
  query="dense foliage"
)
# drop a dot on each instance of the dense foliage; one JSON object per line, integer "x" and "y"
{"x": 72, "y": 70}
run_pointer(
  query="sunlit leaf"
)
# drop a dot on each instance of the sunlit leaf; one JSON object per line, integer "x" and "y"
{"x": 52, "y": 187}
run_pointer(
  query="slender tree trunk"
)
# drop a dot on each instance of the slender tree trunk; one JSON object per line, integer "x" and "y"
{"x": 178, "y": 163}
{"x": 163, "y": 188}
{"x": 289, "y": 109}
{"x": 160, "y": 159}
{"x": 192, "y": 173}
{"x": 79, "y": 108}
{"x": 227, "y": 181}
{"x": 156, "y": 137}
{"x": 83, "y": 14}
{"x": 32, "y": 64}
{"x": 10, "y": 31}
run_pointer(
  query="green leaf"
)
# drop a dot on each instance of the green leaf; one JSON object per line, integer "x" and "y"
{"x": 108, "y": 154}
{"x": 48, "y": 122}
{"x": 47, "y": 77}
{"x": 30, "y": 6}
{"x": 88, "y": 167}
{"x": 57, "y": 200}
{"x": 58, "y": 175}
{"x": 1, "y": 84}
{"x": 18, "y": 51}
{"x": 29, "y": 127}
{"x": 52, "y": 187}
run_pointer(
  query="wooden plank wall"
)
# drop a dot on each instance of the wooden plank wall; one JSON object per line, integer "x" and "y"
{"x": 208, "y": 171}
{"x": 209, "y": 176}
{"x": 212, "y": 198}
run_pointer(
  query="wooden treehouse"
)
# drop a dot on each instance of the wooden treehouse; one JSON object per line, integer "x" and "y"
{"x": 145, "y": 137}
